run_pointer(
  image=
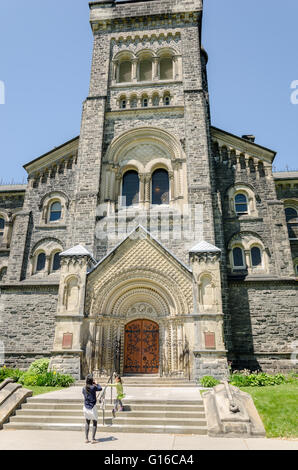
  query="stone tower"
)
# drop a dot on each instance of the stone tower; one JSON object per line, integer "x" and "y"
{"x": 147, "y": 109}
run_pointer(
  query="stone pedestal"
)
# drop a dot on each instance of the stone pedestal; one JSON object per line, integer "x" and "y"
{"x": 231, "y": 413}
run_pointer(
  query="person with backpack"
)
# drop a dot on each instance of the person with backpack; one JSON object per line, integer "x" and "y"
{"x": 90, "y": 409}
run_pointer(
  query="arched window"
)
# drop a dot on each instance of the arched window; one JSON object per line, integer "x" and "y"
{"x": 55, "y": 212}
{"x": 125, "y": 69}
{"x": 130, "y": 188}
{"x": 123, "y": 103}
{"x": 292, "y": 221}
{"x": 3, "y": 273}
{"x": 160, "y": 187}
{"x": 56, "y": 262}
{"x": 291, "y": 214}
{"x": 167, "y": 100}
{"x": 166, "y": 68}
{"x": 41, "y": 262}
{"x": 238, "y": 258}
{"x": 145, "y": 70}
{"x": 145, "y": 102}
{"x": 2, "y": 227}
{"x": 256, "y": 257}
{"x": 241, "y": 204}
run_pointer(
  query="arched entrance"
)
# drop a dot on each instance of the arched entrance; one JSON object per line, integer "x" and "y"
{"x": 141, "y": 347}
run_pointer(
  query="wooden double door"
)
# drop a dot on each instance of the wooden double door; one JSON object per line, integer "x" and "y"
{"x": 141, "y": 348}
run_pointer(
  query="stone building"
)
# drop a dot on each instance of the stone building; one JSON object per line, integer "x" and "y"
{"x": 153, "y": 242}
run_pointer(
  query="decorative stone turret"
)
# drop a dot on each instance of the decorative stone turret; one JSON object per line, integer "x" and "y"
{"x": 209, "y": 350}
{"x": 67, "y": 350}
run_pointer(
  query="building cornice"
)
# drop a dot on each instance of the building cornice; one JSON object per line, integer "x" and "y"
{"x": 233, "y": 141}
{"x": 55, "y": 155}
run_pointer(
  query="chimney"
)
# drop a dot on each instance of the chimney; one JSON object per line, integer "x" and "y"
{"x": 250, "y": 138}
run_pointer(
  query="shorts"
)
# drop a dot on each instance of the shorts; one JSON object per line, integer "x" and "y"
{"x": 91, "y": 415}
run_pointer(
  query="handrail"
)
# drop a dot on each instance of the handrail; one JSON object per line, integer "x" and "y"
{"x": 103, "y": 396}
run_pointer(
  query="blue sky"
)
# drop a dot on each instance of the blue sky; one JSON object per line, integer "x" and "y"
{"x": 45, "y": 59}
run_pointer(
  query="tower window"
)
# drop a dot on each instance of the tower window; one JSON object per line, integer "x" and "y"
{"x": 241, "y": 204}
{"x": 2, "y": 227}
{"x": 55, "y": 212}
{"x": 56, "y": 262}
{"x": 166, "y": 69}
{"x": 41, "y": 262}
{"x": 167, "y": 100}
{"x": 160, "y": 187}
{"x": 291, "y": 218}
{"x": 125, "y": 72}
{"x": 145, "y": 102}
{"x": 123, "y": 104}
{"x": 256, "y": 257}
{"x": 130, "y": 188}
{"x": 145, "y": 70}
{"x": 238, "y": 258}
{"x": 3, "y": 273}
{"x": 291, "y": 214}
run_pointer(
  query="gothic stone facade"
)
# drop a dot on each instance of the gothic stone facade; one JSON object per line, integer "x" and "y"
{"x": 152, "y": 300}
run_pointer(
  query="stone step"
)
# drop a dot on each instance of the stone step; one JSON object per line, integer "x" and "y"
{"x": 109, "y": 421}
{"x": 79, "y": 401}
{"x": 131, "y": 407}
{"x": 158, "y": 429}
{"x": 150, "y": 385}
{"x": 133, "y": 414}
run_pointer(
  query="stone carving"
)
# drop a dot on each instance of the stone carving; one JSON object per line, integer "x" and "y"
{"x": 206, "y": 293}
{"x": 71, "y": 294}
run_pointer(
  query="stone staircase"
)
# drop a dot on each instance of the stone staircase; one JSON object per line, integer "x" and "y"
{"x": 146, "y": 381}
{"x": 143, "y": 411}
{"x": 148, "y": 416}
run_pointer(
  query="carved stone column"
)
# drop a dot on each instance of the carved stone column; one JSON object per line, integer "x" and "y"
{"x": 135, "y": 70}
{"x": 147, "y": 191}
{"x": 142, "y": 177}
{"x": 156, "y": 68}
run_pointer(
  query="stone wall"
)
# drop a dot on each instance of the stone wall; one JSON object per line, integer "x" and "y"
{"x": 264, "y": 324}
{"x": 28, "y": 323}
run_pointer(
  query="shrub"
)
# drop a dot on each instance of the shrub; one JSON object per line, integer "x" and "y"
{"x": 47, "y": 379}
{"x": 261, "y": 379}
{"x": 13, "y": 374}
{"x": 28, "y": 379}
{"x": 208, "y": 381}
{"x": 39, "y": 367}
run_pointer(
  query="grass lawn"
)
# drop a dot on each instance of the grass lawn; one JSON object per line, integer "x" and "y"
{"x": 278, "y": 408}
{"x": 41, "y": 390}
